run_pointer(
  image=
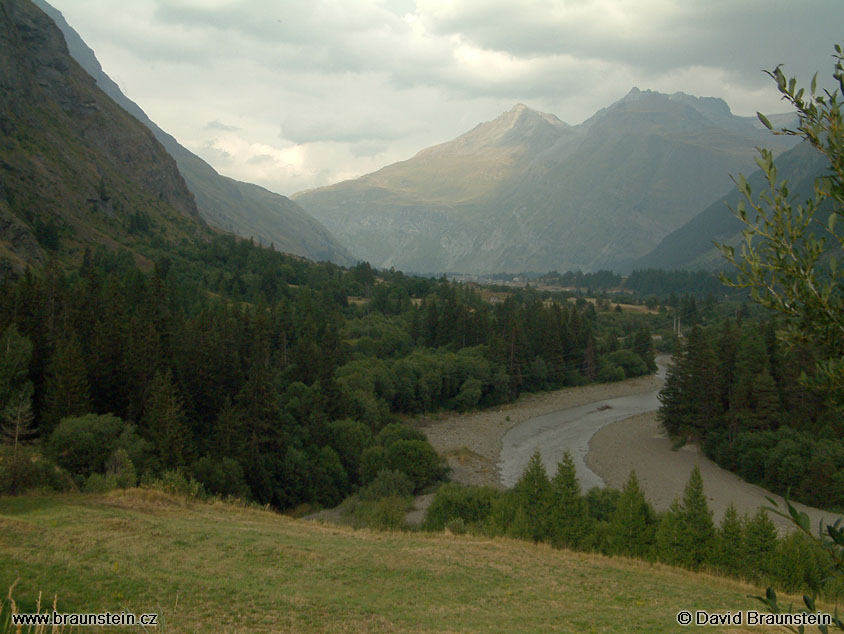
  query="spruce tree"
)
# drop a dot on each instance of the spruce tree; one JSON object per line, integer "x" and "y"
{"x": 632, "y": 525}
{"x": 533, "y": 493}
{"x": 66, "y": 391}
{"x": 697, "y": 527}
{"x": 760, "y": 545}
{"x": 729, "y": 543}
{"x": 164, "y": 421}
{"x": 570, "y": 522}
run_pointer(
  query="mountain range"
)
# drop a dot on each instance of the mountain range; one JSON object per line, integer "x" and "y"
{"x": 527, "y": 191}
{"x": 242, "y": 208}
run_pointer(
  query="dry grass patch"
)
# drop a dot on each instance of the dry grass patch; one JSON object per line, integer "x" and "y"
{"x": 225, "y": 568}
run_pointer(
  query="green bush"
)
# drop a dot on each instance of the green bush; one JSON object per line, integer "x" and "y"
{"x": 176, "y": 483}
{"x": 221, "y": 477}
{"x": 83, "y": 444}
{"x": 372, "y": 460}
{"x": 627, "y": 360}
{"x": 398, "y": 431}
{"x": 387, "y": 483}
{"x": 417, "y": 459}
{"x": 385, "y": 514}
{"x": 471, "y": 504}
{"x": 610, "y": 373}
{"x": 30, "y": 470}
{"x": 120, "y": 467}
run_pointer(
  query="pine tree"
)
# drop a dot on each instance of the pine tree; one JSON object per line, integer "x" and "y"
{"x": 632, "y": 525}
{"x": 164, "y": 421}
{"x": 533, "y": 491}
{"x": 570, "y": 522}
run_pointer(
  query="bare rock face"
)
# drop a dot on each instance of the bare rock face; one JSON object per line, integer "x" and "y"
{"x": 70, "y": 157}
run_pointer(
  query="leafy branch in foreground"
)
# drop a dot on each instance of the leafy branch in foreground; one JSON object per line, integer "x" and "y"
{"x": 831, "y": 540}
{"x": 789, "y": 257}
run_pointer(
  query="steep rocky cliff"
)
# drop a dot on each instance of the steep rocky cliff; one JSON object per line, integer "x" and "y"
{"x": 75, "y": 168}
{"x": 242, "y": 208}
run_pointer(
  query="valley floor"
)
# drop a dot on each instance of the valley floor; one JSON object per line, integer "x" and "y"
{"x": 472, "y": 444}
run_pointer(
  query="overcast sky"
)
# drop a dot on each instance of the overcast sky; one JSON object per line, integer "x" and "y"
{"x": 294, "y": 94}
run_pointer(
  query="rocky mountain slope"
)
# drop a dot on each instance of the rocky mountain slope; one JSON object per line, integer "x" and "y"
{"x": 529, "y": 192}
{"x": 75, "y": 169}
{"x": 242, "y": 208}
{"x": 692, "y": 246}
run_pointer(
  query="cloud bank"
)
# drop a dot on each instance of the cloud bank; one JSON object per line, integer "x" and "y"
{"x": 297, "y": 94}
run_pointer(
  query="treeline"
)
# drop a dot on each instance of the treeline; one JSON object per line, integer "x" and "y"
{"x": 554, "y": 511}
{"x": 262, "y": 375}
{"x": 738, "y": 392}
{"x": 660, "y": 283}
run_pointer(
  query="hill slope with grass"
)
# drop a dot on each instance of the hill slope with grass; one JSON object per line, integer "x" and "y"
{"x": 221, "y": 567}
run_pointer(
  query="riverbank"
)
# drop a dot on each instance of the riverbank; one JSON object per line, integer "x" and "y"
{"x": 472, "y": 442}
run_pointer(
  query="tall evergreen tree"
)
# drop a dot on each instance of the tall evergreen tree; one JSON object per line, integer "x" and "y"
{"x": 164, "y": 421}
{"x": 729, "y": 543}
{"x": 632, "y": 525}
{"x": 66, "y": 391}
{"x": 532, "y": 493}
{"x": 697, "y": 527}
{"x": 570, "y": 522}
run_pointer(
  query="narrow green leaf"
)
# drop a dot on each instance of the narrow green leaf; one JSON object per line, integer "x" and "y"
{"x": 764, "y": 121}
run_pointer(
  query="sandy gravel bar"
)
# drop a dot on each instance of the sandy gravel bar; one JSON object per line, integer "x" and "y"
{"x": 472, "y": 442}
{"x": 638, "y": 443}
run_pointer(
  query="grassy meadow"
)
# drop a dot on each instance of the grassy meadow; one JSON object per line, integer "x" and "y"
{"x": 215, "y": 567}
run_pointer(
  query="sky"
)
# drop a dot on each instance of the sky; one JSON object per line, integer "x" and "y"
{"x": 296, "y": 94}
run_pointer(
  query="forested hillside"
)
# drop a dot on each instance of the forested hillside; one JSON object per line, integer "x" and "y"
{"x": 738, "y": 390}
{"x": 271, "y": 377}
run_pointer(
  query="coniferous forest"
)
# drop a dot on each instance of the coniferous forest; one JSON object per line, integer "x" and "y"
{"x": 265, "y": 376}
{"x": 738, "y": 391}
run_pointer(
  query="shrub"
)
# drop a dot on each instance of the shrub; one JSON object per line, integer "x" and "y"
{"x": 398, "y": 431}
{"x": 385, "y": 514}
{"x": 30, "y": 470}
{"x": 472, "y": 505}
{"x": 175, "y": 482}
{"x": 221, "y": 477}
{"x": 83, "y": 444}
{"x": 372, "y": 460}
{"x": 121, "y": 469}
{"x": 387, "y": 483}
{"x": 417, "y": 459}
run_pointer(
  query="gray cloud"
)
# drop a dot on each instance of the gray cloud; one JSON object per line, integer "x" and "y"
{"x": 355, "y": 85}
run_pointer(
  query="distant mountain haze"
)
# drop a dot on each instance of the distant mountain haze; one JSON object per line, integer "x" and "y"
{"x": 242, "y": 208}
{"x": 692, "y": 246}
{"x": 528, "y": 192}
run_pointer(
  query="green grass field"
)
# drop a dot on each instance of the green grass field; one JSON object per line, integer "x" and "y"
{"x": 214, "y": 567}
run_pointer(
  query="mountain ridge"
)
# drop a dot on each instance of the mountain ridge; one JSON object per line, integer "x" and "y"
{"x": 526, "y": 191}
{"x": 242, "y": 208}
{"x": 75, "y": 169}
